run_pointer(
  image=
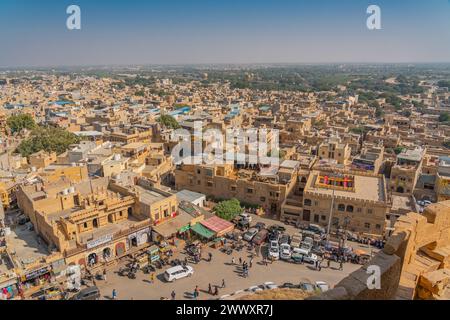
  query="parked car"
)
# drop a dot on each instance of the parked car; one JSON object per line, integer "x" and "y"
{"x": 254, "y": 289}
{"x": 284, "y": 239}
{"x": 243, "y": 224}
{"x": 289, "y": 285}
{"x": 270, "y": 286}
{"x": 296, "y": 240}
{"x": 311, "y": 258}
{"x": 303, "y": 251}
{"x": 250, "y": 234}
{"x": 260, "y": 226}
{"x": 178, "y": 272}
{"x": 318, "y": 250}
{"x": 322, "y": 286}
{"x": 274, "y": 236}
{"x": 91, "y": 293}
{"x": 307, "y": 243}
{"x": 285, "y": 251}
{"x": 274, "y": 250}
{"x": 307, "y": 286}
{"x": 316, "y": 229}
{"x": 260, "y": 237}
{"x": 246, "y": 216}
{"x": 277, "y": 228}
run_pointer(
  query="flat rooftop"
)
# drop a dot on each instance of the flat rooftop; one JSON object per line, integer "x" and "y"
{"x": 365, "y": 188}
{"x": 26, "y": 246}
{"x": 148, "y": 196}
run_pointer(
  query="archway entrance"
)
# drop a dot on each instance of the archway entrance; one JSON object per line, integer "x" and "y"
{"x": 92, "y": 259}
{"x": 106, "y": 253}
{"x": 400, "y": 190}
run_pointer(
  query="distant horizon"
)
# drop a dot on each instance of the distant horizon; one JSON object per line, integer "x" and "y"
{"x": 34, "y": 67}
{"x": 191, "y": 32}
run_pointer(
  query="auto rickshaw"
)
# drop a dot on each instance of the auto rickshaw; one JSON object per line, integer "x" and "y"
{"x": 360, "y": 257}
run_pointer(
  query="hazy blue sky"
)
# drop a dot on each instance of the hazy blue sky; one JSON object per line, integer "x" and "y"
{"x": 34, "y": 33}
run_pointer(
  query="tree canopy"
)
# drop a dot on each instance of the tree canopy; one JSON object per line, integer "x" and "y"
{"x": 444, "y": 117}
{"x": 20, "y": 122}
{"x": 169, "y": 122}
{"x": 48, "y": 139}
{"x": 228, "y": 209}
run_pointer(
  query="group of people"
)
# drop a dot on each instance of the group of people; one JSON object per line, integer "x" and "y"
{"x": 245, "y": 266}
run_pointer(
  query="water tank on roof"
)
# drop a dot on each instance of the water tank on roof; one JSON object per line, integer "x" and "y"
{"x": 65, "y": 192}
{"x": 117, "y": 157}
{"x": 72, "y": 190}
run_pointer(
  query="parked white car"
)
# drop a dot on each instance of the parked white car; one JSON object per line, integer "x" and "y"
{"x": 270, "y": 286}
{"x": 178, "y": 272}
{"x": 254, "y": 289}
{"x": 246, "y": 216}
{"x": 250, "y": 234}
{"x": 311, "y": 258}
{"x": 285, "y": 251}
{"x": 274, "y": 250}
{"x": 302, "y": 251}
{"x": 322, "y": 286}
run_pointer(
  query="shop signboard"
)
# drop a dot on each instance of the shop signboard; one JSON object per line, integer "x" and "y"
{"x": 36, "y": 273}
{"x": 98, "y": 242}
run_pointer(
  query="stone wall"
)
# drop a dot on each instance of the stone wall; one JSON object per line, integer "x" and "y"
{"x": 415, "y": 263}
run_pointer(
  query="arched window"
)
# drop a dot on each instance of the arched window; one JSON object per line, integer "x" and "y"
{"x": 350, "y": 209}
{"x": 341, "y": 207}
{"x": 308, "y": 202}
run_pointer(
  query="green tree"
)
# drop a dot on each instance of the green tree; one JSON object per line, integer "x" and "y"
{"x": 398, "y": 150}
{"x": 169, "y": 122}
{"x": 20, "y": 122}
{"x": 48, "y": 139}
{"x": 444, "y": 117}
{"x": 228, "y": 209}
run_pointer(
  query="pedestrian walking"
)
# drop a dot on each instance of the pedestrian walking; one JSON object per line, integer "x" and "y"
{"x": 223, "y": 283}
{"x": 233, "y": 262}
{"x": 341, "y": 265}
{"x": 152, "y": 278}
{"x": 114, "y": 294}
{"x": 240, "y": 260}
{"x": 210, "y": 289}
{"x": 104, "y": 274}
{"x": 328, "y": 263}
{"x": 196, "y": 292}
{"x": 216, "y": 291}
{"x": 251, "y": 262}
{"x": 173, "y": 295}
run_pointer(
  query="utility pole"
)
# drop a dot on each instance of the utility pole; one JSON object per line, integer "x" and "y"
{"x": 331, "y": 212}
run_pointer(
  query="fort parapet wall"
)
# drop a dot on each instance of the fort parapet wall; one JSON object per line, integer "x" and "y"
{"x": 415, "y": 263}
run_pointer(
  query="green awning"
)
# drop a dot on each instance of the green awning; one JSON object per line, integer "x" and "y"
{"x": 202, "y": 231}
{"x": 184, "y": 229}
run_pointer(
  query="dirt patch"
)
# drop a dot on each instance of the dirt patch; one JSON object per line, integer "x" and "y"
{"x": 279, "y": 294}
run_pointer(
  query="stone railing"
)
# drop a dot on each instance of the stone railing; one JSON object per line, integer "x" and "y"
{"x": 413, "y": 265}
